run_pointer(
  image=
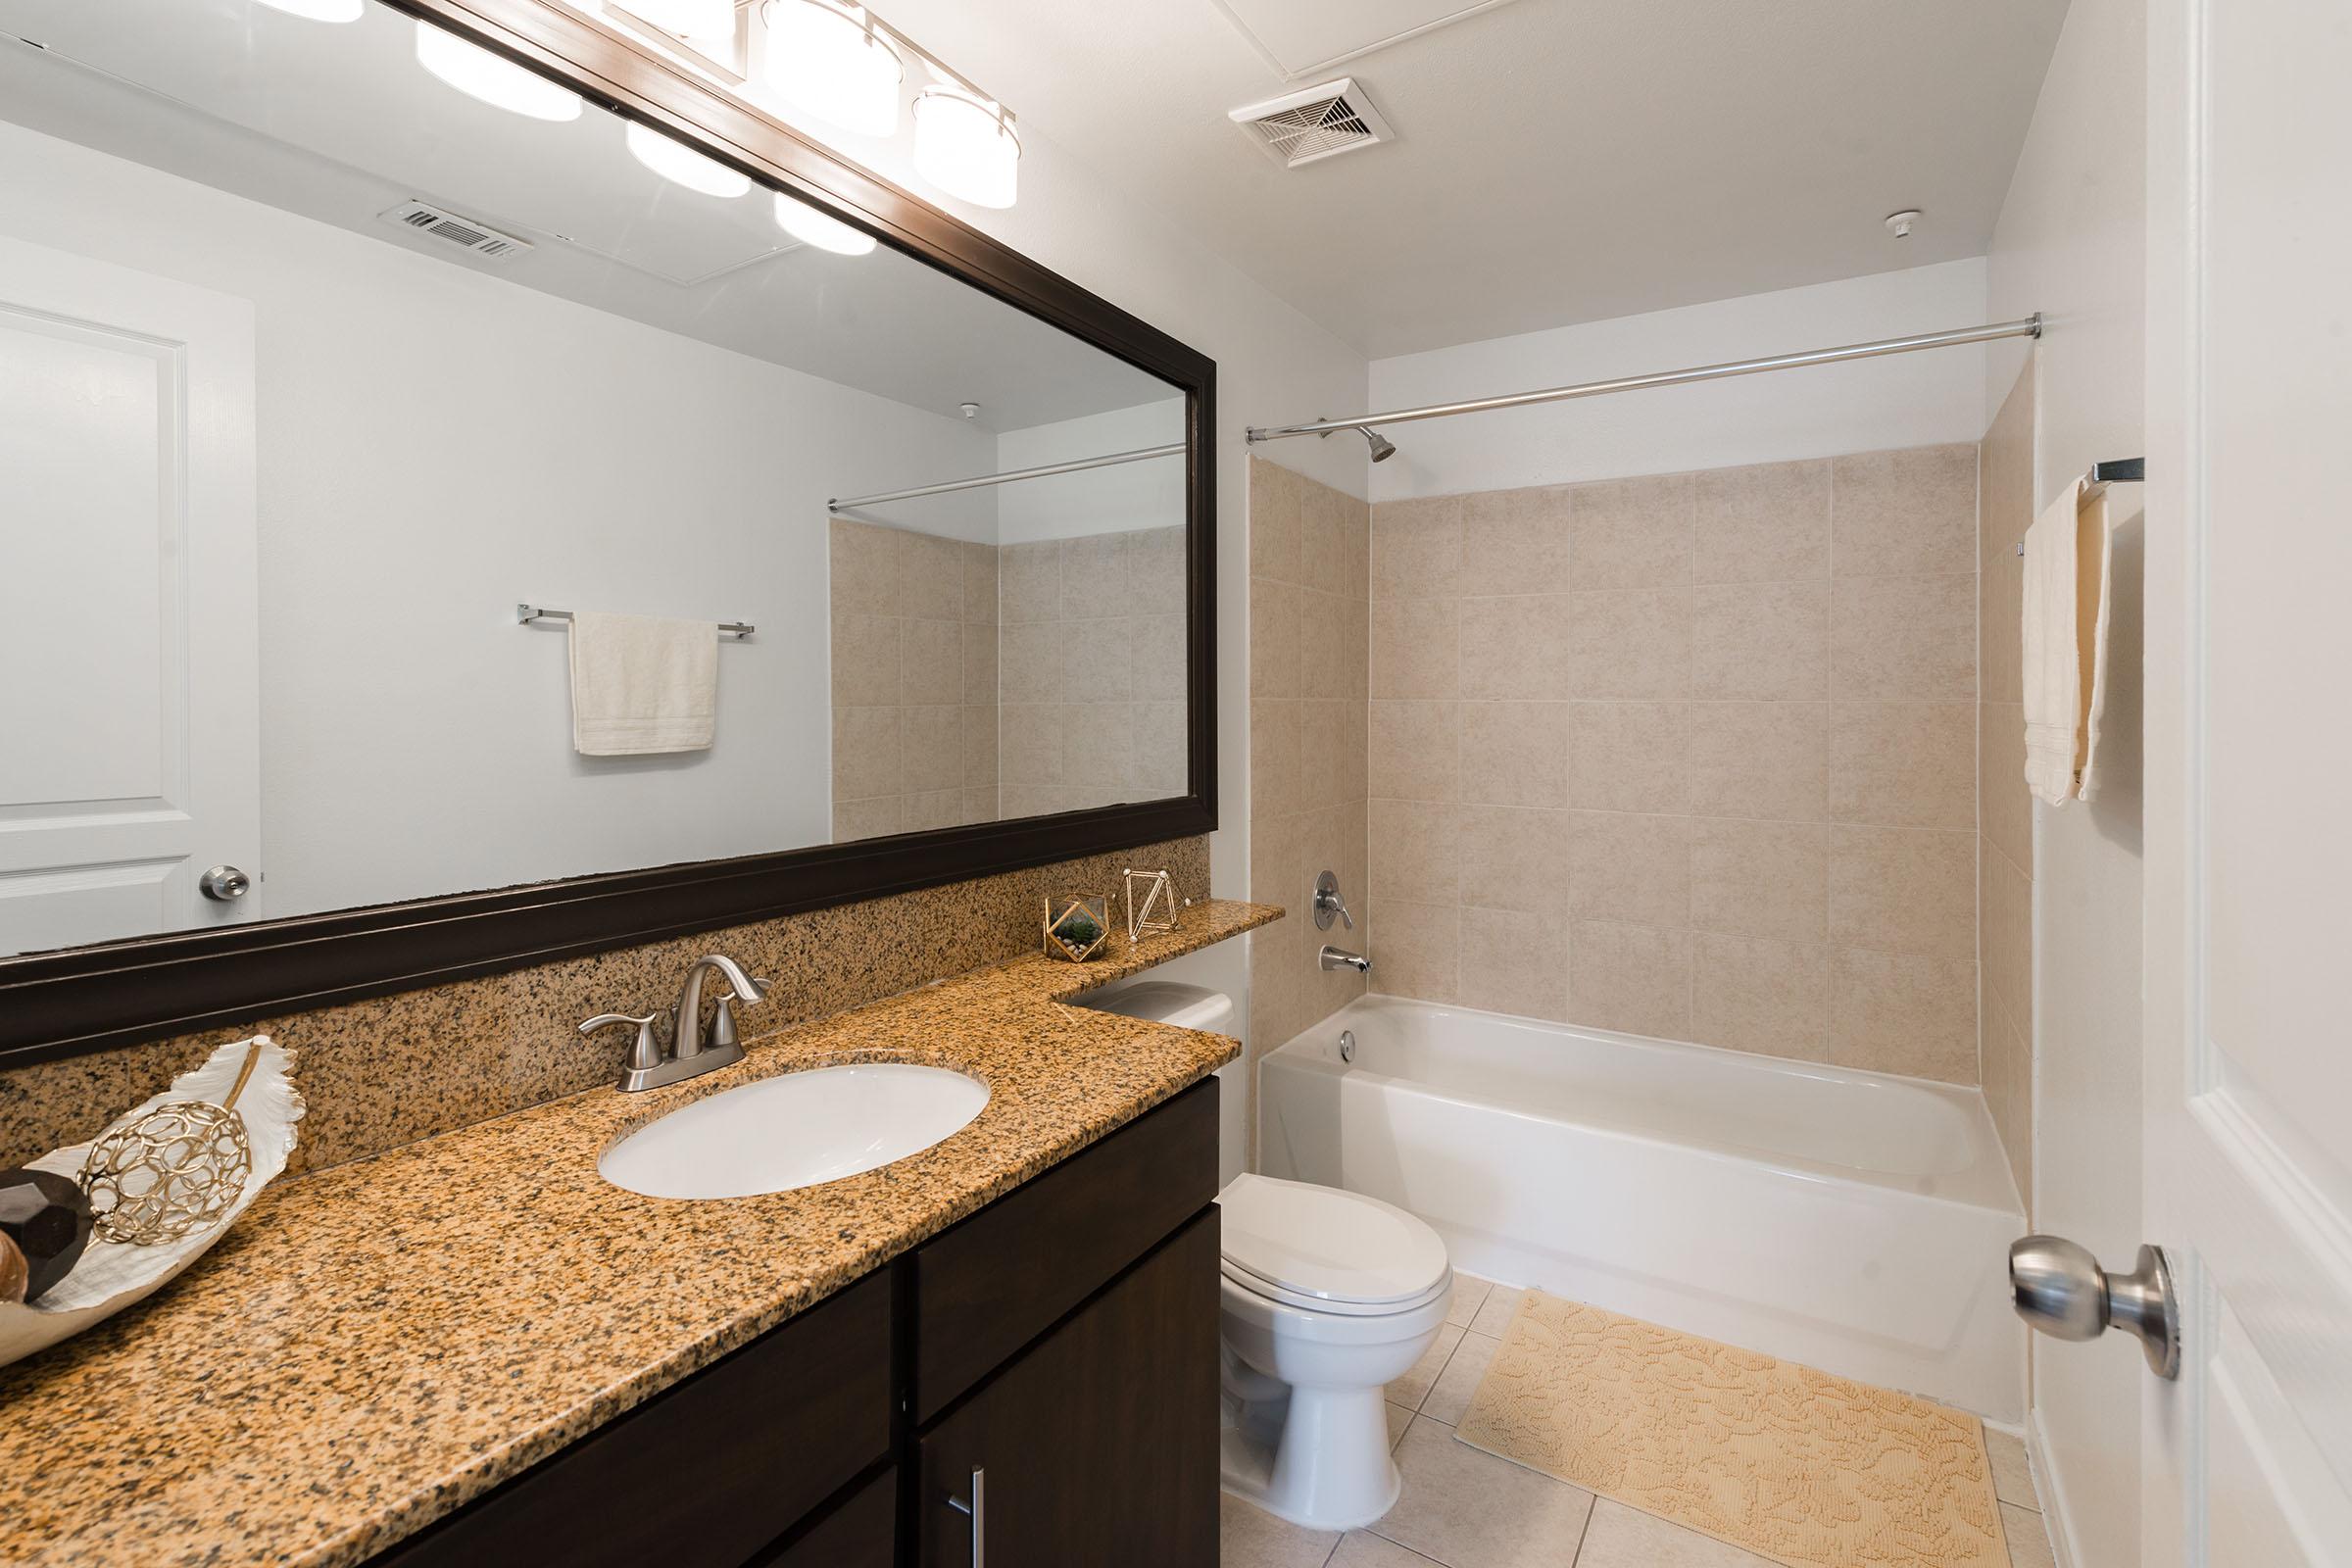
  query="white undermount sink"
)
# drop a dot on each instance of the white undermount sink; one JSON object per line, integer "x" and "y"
{"x": 795, "y": 1130}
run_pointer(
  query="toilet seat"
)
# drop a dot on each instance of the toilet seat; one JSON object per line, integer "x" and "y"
{"x": 1259, "y": 1290}
{"x": 1321, "y": 1249}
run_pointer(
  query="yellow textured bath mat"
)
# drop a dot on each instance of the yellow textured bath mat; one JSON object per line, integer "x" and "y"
{"x": 1792, "y": 1465}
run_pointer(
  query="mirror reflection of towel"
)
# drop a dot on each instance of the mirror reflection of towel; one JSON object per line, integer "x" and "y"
{"x": 641, "y": 684}
{"x": 2067, "y": 561}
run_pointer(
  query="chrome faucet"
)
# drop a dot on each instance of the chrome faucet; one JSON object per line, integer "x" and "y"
{"x": 1332, "y": 957}
{"x": 691, "y": 1052}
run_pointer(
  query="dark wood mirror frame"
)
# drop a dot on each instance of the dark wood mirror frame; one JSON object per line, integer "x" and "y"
{"x": 81, "y": 999}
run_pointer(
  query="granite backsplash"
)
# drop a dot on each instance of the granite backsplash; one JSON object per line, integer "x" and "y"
{"x": 394, "y": 1070}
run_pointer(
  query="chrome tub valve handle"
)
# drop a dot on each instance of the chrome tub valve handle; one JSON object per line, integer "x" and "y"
{"x": 1329, "y": 905}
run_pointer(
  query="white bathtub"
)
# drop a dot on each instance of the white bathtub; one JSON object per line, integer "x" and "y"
{"x": 1851, "y": 1222}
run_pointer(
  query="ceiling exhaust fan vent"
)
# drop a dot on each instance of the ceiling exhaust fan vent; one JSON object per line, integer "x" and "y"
{"x": 442, "y": 225}
{"x": 1305, "y": 127}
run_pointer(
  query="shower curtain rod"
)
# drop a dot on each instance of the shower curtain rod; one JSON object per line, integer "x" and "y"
{"x": 2028, "y": 326}
{"x": 983, "y": 481}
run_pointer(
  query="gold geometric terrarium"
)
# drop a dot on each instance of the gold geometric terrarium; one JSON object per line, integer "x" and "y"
{"x": 1077, "y": 924}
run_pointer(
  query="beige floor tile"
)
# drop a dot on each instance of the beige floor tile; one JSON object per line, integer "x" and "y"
{"x": 1496, "y": 1316}
{"x": 2029, "y": 1538}
{"x": 1249, "y": 1537}
{"x": 1413, "y": 1388}
{"x": 1450, "y": 1395}
{"x": 1364, "y": 1549}
{"x": 1399, "y": 1419}
{"x": 2012, "y": 1474}
{"x": 1469, "y": 1509}
{"x": 1469, "y": 1295}
{"x": 1620, "y": 1536}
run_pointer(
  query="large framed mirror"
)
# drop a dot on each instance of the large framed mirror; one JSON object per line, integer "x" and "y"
{"x": 473, "y": 488}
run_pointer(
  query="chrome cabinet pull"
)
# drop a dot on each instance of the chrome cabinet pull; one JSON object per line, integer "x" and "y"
{"x": 977, "y": 1511}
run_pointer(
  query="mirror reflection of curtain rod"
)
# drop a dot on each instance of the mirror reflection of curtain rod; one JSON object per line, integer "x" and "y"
{"x": 2028, "y": 326}
{"x": 845, "y": 503}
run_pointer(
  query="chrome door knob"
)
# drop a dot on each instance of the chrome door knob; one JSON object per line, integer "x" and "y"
{"x": 2059, "y": 1289}
{"x": 224, "y": 884}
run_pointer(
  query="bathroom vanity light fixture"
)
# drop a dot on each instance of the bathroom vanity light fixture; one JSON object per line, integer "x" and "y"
{"x": 832, "y": 60}
{"x": 479, "y": 73}
{"x": 688, "y": 19}
{"x": 967, "y": 146}
{"x": 809, "y": 226}
{"x": 319, "y": 10}
{"x": 683, "y": 165}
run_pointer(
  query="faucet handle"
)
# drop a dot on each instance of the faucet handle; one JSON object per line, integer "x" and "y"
{"x": 646, "y": 1051}
{"x": 1329, "y": 904}
{"x": 722, "y": 1026}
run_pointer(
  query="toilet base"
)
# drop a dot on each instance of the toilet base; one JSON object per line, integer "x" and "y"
{"x": 1317, "y": 1458}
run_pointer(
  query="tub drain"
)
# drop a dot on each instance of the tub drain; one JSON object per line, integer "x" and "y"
{"x": 1347, "y": 1045}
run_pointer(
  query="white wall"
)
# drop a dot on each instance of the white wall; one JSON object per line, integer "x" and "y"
{"x": 2071, "y": 243}
{"x": 1121, "y": 499}
{"x": 435, "y": 445}
{"x": 1864, "y": 406}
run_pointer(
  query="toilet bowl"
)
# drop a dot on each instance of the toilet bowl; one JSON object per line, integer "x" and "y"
{"x": 1326, "y": 1296}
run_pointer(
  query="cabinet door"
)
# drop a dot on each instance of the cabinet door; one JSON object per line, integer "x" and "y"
{"x": 861, "y": 1532}
{"x": 1100, "y": 1445}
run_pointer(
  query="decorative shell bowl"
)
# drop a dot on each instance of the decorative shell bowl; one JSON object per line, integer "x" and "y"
{"x": 113, "y": 1275}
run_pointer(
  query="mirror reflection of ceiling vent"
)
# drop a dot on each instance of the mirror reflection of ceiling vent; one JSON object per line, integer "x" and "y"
{"x": 1302, "y": 127}
{"x": 442, "y": 225}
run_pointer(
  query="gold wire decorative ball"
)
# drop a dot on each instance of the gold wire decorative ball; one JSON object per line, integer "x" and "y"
{"x": 169, "y": 1173}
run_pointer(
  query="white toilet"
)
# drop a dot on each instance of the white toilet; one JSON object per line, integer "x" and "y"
{"x": 1327, "y": 1295}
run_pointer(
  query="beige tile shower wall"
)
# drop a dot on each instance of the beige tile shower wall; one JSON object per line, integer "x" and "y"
{"x": 1309, "y": 566}
{"x": 914, "y": 681}
{"x": 1690, "y": 755}
{"x": 1094, "y": 670}
{"x": 394, "y": 1070}
{"x": 2005, "y": 849}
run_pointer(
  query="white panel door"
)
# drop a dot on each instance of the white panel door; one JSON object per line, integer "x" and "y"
{"x": 130, "y": 692}
{"x": 2250, "y": 1063}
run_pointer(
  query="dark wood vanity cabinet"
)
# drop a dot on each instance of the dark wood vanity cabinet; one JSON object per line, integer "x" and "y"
{"x": 1061, "y": 1343}
{"x": 1099, "y": 1443}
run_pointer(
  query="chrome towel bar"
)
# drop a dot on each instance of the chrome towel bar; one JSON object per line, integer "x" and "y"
{"x": 525, "y": 614}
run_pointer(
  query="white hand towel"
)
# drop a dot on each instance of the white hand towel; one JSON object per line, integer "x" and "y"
{"x": 641, "y": 684}
{"x": 2065, "y": 643}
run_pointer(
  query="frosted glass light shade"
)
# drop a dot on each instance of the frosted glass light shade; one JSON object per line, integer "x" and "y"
{"x": 825, "y": 60}
{"x": 682, "y": 165}
{"x": 826, "y": 232}
{"x": 479, "y": 73}
{"x": 688, "y": 19}
{"x": 966, "y": 148}
{"x": 319, "y": 10}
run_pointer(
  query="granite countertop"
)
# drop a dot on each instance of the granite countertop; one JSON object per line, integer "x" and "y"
{"x": 376, "y": 1344}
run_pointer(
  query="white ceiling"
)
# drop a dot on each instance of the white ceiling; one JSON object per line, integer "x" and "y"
{"x": 1557, "y": 161}
{"x": 338, "y": 123}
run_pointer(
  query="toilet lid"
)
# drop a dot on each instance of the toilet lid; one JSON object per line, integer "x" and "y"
{"x": 1323, "y": 1243}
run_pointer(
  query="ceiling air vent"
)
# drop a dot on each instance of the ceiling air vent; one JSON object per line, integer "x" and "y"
{"x": 475, "y": 235}
{"x": 1322, "y": 122}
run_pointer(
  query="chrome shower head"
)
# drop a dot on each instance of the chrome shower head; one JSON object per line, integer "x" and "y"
{"x": 1383, "y": 449}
